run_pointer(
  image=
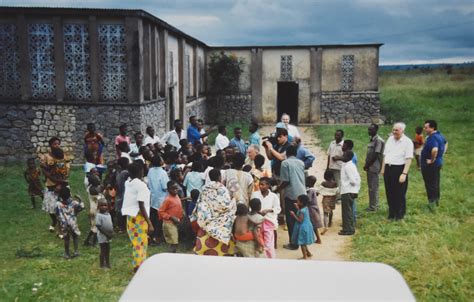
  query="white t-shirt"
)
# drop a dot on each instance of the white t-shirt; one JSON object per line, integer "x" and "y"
{"x": 335, "y": 149}
{"x": 221, "y": 142}
{"x": 293, "y": 131}
{"x": 173, "y": 139}
{"x": 397, "y": 151}
{"x": 350, "y": 178}
{"x": 135, "y": 190}
{"x": 271, "y": 201}
{"x": 151, "y": 140}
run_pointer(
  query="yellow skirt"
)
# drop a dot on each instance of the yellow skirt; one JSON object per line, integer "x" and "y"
{"x": 206, "y": 245}
{"x": 137, "y": 229}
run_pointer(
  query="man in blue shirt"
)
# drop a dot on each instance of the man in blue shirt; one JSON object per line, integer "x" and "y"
{"x": 431, "y": 161}
{"x": 238, "y": 142}
{"x": 193, "y": 134}
{"x": 254, "y": 138}
{"x": 304, "y": 154}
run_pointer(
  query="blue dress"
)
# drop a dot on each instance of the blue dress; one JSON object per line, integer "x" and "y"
{"x": 303, "y": 233}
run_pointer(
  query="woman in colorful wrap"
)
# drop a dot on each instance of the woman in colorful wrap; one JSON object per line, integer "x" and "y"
{"x": 136, "y": 206}
{"x": 215, "y": 215}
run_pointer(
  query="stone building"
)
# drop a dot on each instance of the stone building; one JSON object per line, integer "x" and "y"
{"x": 62, "y": 68}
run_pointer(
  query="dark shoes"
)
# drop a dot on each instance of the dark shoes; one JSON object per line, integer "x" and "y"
{"x": 290, "y": 247}
{"x": 344, "y": 233}
{"x": 370, "y": 210}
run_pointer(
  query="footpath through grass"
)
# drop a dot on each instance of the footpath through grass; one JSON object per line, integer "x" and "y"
{"x": 433, "y": 251}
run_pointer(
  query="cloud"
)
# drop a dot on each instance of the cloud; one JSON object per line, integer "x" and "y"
{"x": 412, "y": 30}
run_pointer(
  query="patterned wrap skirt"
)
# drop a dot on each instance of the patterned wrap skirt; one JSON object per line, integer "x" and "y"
{"x": 137, "y": 229}
{"x": 206, "y": 245}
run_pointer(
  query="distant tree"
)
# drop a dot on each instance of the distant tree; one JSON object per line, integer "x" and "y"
{"x": 448, "y": 68}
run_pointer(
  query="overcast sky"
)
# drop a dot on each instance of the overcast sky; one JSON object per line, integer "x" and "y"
{"x": 413, "y": 31}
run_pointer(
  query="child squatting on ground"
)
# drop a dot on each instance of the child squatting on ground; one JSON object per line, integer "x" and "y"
{"x": 66, "y": 211}
{"x": 105, "y": 230}
{"x": 303, "y": 234}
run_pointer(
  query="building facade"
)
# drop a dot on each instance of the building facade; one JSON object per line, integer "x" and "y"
{"x": 63, "y": 68}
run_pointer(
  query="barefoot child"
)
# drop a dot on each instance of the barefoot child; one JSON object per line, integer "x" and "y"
{"x": 328, "y": 189}
{"x": 303, "y": 234}
{"x": 32, "y": 176}
{"x": 94, "y": 191}
{"x": 105, "y": 230}
{"x": 66, "y": 211}
{"x": 314, "y": 213}
{"x": 171, "y": 212}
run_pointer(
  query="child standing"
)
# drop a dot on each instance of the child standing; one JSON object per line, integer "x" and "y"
{"x": 314, "y": 213}
{"x": 103, "y": 222}
{"x": 32, "y": 176}
{"x": 191, "y": 203}
{"x": 418, "y": 144}
{"x": 328, "y": 189}
{"x": 257, "y": 219}
{"x": 171, "y": 212}
{"x": 95, "y": 194}
{"x": 303, "y": 230}
{"x": 350, "y": 186}
{"x": 66, "y": 211}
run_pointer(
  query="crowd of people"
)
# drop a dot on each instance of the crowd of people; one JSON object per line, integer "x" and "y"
{"x": 173, "y": 190}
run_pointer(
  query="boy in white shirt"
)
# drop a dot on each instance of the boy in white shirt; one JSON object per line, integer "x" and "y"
{"x": 350, "y": 186}
{"x": 221, "y": 139}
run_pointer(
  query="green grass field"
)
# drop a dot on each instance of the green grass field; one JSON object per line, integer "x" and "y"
{"x": 433, "y": 251}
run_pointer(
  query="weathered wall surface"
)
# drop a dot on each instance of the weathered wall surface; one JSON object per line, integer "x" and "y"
{"x": 271, "y": 76}
{"x": 350, "y": 107}
{"x": 365, "y": 68}
{"x": 230, "y": 108}
{"x": 198, "y": 107}
{"x": 26, "y": 129}
{"x": 245, "y": 84}
{"x": 173, "y": 74}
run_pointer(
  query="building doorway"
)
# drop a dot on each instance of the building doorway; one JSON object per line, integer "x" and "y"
{"x": 171, "y": 108}
{"x": 287, "y": 100}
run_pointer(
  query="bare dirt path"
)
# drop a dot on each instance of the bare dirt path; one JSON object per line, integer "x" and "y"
{"x": 334, "y": 246}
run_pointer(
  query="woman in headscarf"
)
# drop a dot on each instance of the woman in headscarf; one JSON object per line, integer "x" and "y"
{"x": 215, "y": 215}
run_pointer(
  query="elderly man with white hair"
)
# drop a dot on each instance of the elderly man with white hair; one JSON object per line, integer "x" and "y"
{"x": 292, "y": 130}
{"x": 252, "y": 151}
{"x": 398, "y": 154}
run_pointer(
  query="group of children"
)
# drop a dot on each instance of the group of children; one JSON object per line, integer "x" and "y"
{"x": 175, "y": 176}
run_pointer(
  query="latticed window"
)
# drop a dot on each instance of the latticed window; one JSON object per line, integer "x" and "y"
{"x": 286, "y": 68}
{"x": 113, "y": 62}
{"x": 347, "y": 72}
{"x": 41, "y": 54}
{"x": 9, "y": 59}
{"x": 77, "y": 62}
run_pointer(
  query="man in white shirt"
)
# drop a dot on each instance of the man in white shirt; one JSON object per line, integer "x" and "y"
{"x": 221, "y": 139}
{"x": 174, "y": 136}
{"x": 335, "y": 158}
{"x": 151, "y": 138}
{"x": 398, "y": 154}
{"x": 270, "y": 209}
{"x": 350, "y": 186}
{"x": 292, "y": 130}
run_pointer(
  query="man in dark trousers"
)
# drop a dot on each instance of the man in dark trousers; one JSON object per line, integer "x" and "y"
{"x": 373, "y": 164}
{"x": 431, "y": 161}
{"x": 398, "y": 155}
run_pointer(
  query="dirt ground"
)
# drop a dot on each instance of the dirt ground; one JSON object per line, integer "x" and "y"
{"x": 333, "y": 246}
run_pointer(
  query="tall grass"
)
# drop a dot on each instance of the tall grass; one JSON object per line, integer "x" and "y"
{"x": 433, "y": 251}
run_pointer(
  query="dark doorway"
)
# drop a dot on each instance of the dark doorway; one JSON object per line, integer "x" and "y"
{"x": 287, "y": 100}
{"x": 171, "y": 109}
